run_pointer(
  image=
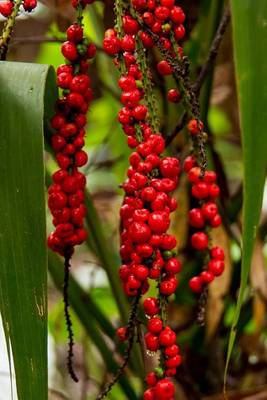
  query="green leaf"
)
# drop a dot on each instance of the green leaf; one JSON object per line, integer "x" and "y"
{"x": 23, "y": 272}
{"x": 250, "y": 41}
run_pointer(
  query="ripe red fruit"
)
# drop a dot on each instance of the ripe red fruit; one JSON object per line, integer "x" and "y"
{"x": 168, "y": 286}
{"x": 200, "y": 190}
{"x": 164, "y": 68}
{"x": 216, "y": 267}
{"x": 57, "y": 200}
{"x": 69, "y": 185}
{"x": 177, "y": 15}
{"x": 167, "y": 337}
{"x": 195, "y": 284}
{"x": 149, "y": 394}
{"x": 155, "y": 325}
{"x": 75, "y": 33}
{"x": 151, "y": 306}
{"x": 130, "y": 25}
{"x": 111, "y": 45}
{"x": 159, "y": 221}
{"x": 171, "y": 351}
{"x": 173, "y": 266}
{"x": 209, "y": 210}
{"x": 207, "y": 276}
{"x": 217, "y": 252}
{"x": 179, "y": 32}
{"x": 29, "y": 5}
{"x": 80, "y": 83}
{"x": 81, "y": 158}
{"x": 216, "y": 221}
{"x": 173, "y": 96}
{"x": 122, "y": 333}
{"x": 173, "y": 362}
{"x": 162, "y": 13}
{"x": 199, "y": 241}
{"x": 128, "y": 43}
{"x": 151, "y": 379}
{"x": 139, "y": 232}
{"x": 69, "y": 51}
{"x": 196, "y": 218}
{"x": 189, "y": 163}
{"x": 164, "y": 389}
{"x": 152, "y": 342}
{"x": 6, "y": 8}
{"x": 195, "y": 127}
{"x": 140, "y": 272}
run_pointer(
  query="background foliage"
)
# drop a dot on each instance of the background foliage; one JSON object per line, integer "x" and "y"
{"x": 95, "y": 293}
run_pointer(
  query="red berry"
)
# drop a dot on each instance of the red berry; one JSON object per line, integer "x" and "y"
{"x": 151, "y": 306}
{"x": 196, "y": 218}
{"x": 217, "y": 252}
{"x": 195, "y": 284}
{"x": 173, "y": 96}
{"x": 171, "y": 351}
{"x": 195, "y": 126}
{"x": 149, "y": 395}
{"x": 177, "y": 15}
{"x": 167, "y": 337}
{"x": 139, "y": 232}
{"x": 159, "y": 221}
{"x": 179, "y": 32}
{"x": 164, "y": 389}
{"x": 151, "y": 379}
{"x": 199, "y": 241}
{"x": 80, "y": 83}
{"x": 164, "y": 68}
{"x": 168, "y": 287}
{"x": 216, "y": 267}
{"x": 173, "y": 266}
{"x": 75, "y": 33}
{"x": 173, "y": 362}
{"x": 216, "y": 221}
{"x": 207, "y": 276}
{"x": 189, "y": 163}
{"x": 209, "y": 210}
{"x": 200, "y": 190}
{"x": 155, "y": 325}
{"x": 69, "y": 51}
{"x": 111, "y": 45}
{"x": 81, "y": 158}
{"x": 122, "y": 333}
{"x": 152, "y": 342}
{"x": 29, "y": 5}
{"x": 6, "y": 8}
{"x": 130, "y": 25}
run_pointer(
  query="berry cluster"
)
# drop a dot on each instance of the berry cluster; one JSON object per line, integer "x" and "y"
{"x": 147, "y": 250}
{"x": 66, "y": 194}
{"x": 162, "y": 26}
{"x": 6, "y": 7}
{"x": 205, "y": 216}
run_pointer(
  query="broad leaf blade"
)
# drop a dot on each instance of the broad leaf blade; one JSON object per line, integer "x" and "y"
{"x": 250, "y": 41}
{"x": 23, "y": 271}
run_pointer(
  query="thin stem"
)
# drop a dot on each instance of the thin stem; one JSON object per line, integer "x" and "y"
{"x": 131, "y": 335}
{"x": 213, "y": 51}
{"x": 8, "y": 29}
{"x": 209, "y": 63}
{"x": 68, "y": 318}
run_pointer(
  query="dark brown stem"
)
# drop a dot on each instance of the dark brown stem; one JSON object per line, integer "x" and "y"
{"x": 207, "y": 66}
{"x": 67, "y": 317}
{"x": 131, "y": 336}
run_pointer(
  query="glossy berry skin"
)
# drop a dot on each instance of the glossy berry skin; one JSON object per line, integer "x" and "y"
{"x": 69, "y": 51}
{"x": 122, "y": 333}
{"x": 151, "y": 306}
{"x": 6, "y": 8}
{"x": 173, "y": 96}
{"x": 164, "y": 389}
{"x": 195, "y": 284}
{"x": 155, "y": 325}
{"x": 29, "y": 5}
{"x": 199, "y": 241}
{"x": 164, "y": 68}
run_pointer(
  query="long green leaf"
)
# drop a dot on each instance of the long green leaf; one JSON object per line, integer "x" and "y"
{"x": 250, "y": 42}
{"x": 23, "y": 270}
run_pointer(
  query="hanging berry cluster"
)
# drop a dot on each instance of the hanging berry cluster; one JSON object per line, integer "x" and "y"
{"x": 147, "y": 250}
{"x": 204, "y": 216}
{"x": 6, "y": 7}
{"x": 66, "y": 194}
